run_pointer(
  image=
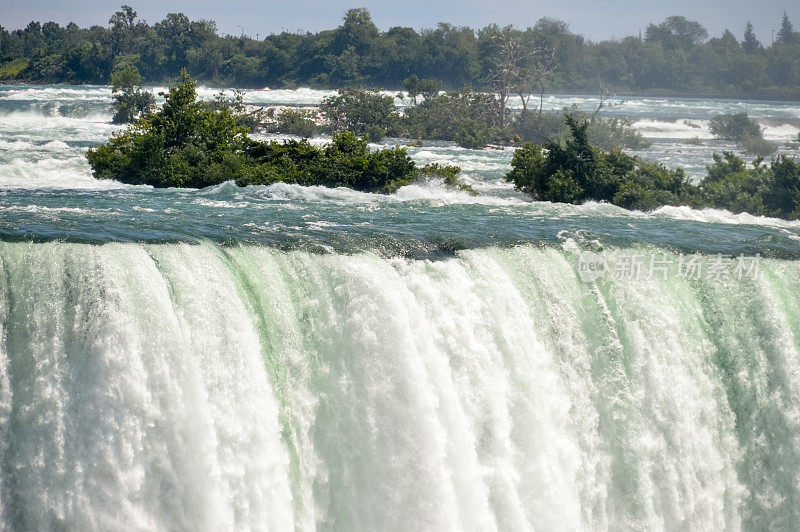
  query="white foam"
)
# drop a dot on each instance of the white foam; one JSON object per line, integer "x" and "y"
{"x": 721, "y": 216}
{"x": 71, "y": 173}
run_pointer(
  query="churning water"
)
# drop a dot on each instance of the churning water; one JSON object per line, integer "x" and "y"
{"x": 299, "y": 357}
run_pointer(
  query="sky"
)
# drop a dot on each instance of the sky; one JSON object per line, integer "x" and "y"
{"x": 595, "y": 19}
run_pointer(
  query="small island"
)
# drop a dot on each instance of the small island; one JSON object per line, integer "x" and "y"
{"x": 576, "y": 172}
{"x": 194, "y": 144}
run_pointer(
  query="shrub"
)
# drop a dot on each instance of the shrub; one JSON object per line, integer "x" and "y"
{"x": 757, "y": 146}
{"x": 296, "y": 122}
{"x": 734, "y": 127}
{"x": 251, "y": 118}
{"x": 130, "y": 101}
{"x": 441, "y": 116}
{"x": 358, "y": 110}
{"x": 576, "y": 171}
{"x": 538, "y": 128}
{"x": 191, "y": 144}
{"x": 471, "y": 134}
{"x": 616, "y": 133}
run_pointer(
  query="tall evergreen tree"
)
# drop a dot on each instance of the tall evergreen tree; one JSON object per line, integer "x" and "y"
{"x": 786, "y": 34}
{"x": 750, "y": 44}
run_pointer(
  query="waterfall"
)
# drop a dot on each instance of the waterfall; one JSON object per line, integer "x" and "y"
{"x": 200, "y": 387}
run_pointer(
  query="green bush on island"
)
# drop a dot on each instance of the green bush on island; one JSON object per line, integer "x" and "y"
{"x": 472, "y": 134}
{"x": 734, "y": 127}
{"x": 464, "y": 116}
{"x": 130, "y": 101}
{"x": 757, "y": 146}
{"x": 253, "y": 118}
{"x": 575, "y": 171}
{"x": 744, "y": 130}
{"x": 360, "y": 111}
{"x": 468, "y": 118}
{"x": 188, "y": 143}
{"x": 300, "y": 122}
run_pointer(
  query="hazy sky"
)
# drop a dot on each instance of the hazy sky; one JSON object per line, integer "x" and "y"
{"x": 595, "y": 19}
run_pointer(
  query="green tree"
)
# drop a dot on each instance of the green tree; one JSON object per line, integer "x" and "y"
{"x": 786, "y": 34}
{"x": 750, "y": 44}
{"x": 188, "y": 143}
{"x": 411, "y": 86}
{"x": 734, "y": 126}
{"x": 429, "y": 88}
{"x": 360, "y": 111}
{"x": 122, "y": 24}
{"x": 357, "y": 31}
{"x": 576, "y": 171}
{"x": 130, "y": 101}
{"x": 181, "y": 145}
{"x": 676, "y": 32}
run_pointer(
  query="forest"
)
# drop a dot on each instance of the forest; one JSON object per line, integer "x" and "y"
{"x": 673, "y": 57}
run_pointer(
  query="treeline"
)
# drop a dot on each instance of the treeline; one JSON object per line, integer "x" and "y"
{"x": 675, "y": 56}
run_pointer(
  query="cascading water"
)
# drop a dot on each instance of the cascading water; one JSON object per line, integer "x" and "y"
{"x": 181, "y": 386}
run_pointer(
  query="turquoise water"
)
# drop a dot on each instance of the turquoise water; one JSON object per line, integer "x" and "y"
{"x": 288, "y": 357}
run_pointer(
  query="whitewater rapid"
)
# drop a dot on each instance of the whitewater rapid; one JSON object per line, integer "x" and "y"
{"x": 199, "y": 387}
{"x": 45, "y": 131}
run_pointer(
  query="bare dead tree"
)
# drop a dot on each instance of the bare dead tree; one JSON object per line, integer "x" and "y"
{"x": 546, "y": 64}
{"x": 506, "y": 74}
{"x": 540, "y": 63}
{"x": 520, "y": 69}
{"x": 608, "y": 97}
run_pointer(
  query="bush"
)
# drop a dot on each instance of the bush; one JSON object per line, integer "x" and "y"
{"x": 296, "y": 122}
{"x": 734, "y": 127}
{"x": 757, "y": 146}
{"x": 251, "y": 118}
{"x": 427, "y": 88}
{"x": 358, "y": 110}
{"x": 130, "y": 101}
{"x": 605, "y": 133}
{"x": 175, "y": 147}
{"x": 538, "y": 128}
{"x": 576, "y": 171}
{"x": 191, "y": 144}
{"x": 473, "y": 135}
{"x": 441, "y": 116}
{"x": 616, "y": 133}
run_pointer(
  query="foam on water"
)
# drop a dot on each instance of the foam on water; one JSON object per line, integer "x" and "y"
{"x": 52, "y": 173}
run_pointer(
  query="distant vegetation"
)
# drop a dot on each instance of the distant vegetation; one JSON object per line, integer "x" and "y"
{"x": 188, "y": 143}
{"x": 575, "y": 171}
{"x": 470, "y": 119}
{"x": 673, "y": 57}
{"x": 744, "y": 130}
